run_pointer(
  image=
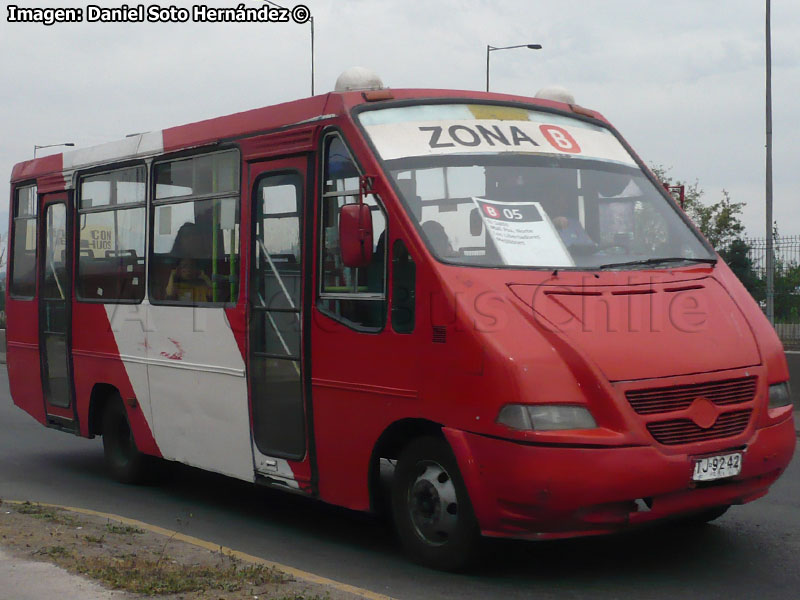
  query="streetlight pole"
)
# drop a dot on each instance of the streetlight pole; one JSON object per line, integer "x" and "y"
{"x": 37, "y": 147}
{"x": 490, "y": 49}
{"x": 770, "y": 240}
{"x": 311, "y": 21}
{"x": 312, "y": 55}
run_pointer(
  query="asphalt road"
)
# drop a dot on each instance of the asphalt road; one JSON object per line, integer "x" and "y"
{"x": 752, "y": 552}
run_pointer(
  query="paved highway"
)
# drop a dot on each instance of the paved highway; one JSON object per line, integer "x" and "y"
{"x": 752, "y": 552}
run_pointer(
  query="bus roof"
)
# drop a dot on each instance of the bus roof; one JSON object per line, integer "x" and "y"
{"x": 48, "y": 169}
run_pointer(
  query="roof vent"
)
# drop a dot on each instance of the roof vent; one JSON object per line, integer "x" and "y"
{"x": 556, "y": 93}
{"x": 357, "y": 79}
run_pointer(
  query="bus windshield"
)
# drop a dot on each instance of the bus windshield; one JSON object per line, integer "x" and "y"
{"x": 508, "y": 187}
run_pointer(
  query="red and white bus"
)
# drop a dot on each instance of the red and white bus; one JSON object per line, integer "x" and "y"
{"x": 490, "y": 292}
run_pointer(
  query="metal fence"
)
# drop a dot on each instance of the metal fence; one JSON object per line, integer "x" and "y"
{"x": 785, "y": 247}
{"x": 787, "y": 283}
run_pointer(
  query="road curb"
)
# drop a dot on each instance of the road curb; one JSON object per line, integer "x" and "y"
{"x": 200, "y": 543}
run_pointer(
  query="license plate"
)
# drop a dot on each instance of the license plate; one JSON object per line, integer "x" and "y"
{"x": 717, "y": 467}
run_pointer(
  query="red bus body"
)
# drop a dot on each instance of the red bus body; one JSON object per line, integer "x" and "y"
{"x": 483, "y": 338}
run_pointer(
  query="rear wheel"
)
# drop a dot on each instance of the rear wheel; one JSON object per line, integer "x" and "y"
{"x": 431, "y": 507}
{"x": 123, "y": 460}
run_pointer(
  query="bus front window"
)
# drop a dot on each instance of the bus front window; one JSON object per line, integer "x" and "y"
{"x": 507, "y": 187}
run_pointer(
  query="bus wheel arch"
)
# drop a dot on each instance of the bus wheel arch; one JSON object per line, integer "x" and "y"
{"x": 109, "y": 418}
{"x": 388, "y": 447}
{"x": 431, "y": 508}
{"x": 101, "y": 395}
{"x": 416, "y": 446}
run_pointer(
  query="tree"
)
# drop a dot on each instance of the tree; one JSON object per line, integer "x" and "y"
{"x": 737, "y": 256}
{"x": 720, "y": 222}
{"x": 722, "y": 226}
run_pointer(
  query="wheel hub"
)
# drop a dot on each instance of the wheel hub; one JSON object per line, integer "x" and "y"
{"x": 433, "y": 504}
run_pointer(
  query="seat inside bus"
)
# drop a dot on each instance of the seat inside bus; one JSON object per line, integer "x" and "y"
{"x": 113, "y": 274}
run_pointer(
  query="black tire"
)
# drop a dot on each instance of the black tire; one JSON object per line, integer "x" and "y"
{"x": 123, "y": 460}
{"x": 705, "y": 516}
{"x": 431, "y": 508}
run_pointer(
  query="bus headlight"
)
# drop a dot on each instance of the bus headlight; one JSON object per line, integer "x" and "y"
{"x": 780, "y": 395}
{"x": 545, "y": 417}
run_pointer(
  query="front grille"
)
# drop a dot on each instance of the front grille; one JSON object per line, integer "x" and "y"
{"x": 684, "y": 431}
{"x": 680, "y": 397}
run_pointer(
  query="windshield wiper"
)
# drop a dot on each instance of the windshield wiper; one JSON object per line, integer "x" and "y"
{"x": 656, "y": 261}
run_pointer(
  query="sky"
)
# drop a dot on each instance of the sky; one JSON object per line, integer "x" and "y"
{"x": 683, "y": 81}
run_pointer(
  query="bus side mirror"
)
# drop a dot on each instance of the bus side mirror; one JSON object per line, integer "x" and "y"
{"x": 475, "y": 222}
{"x": 355, "y": 235}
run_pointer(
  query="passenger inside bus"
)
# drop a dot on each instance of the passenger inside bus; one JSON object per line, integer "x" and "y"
{"x": 187, "y": 283}
{"x": 553, "y": 193}
{"x": 437, "y": 236}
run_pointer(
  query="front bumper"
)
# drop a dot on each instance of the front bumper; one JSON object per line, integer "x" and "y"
{"x": 533, "y": 491}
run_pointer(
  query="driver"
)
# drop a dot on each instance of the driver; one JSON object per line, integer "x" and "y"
{"x": 510, "y": 185}
{"x": 572, "y": 232}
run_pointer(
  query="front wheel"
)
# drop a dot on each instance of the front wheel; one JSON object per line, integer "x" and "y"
{"x": 123, "y": 460}
{"x": 431, "y": 508}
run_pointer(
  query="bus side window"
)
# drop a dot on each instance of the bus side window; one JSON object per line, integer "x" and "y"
{"x": 195, "y": 230}
{"x": 404, "y": 282}
{"x": 23, "y": 252}
{"x": 354, "y": 296}
{"x": 111, "y": 229}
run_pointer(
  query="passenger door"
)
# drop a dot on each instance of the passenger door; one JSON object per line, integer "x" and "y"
{"x": 278, "y": 366}
{"x": 55, "y": 296}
